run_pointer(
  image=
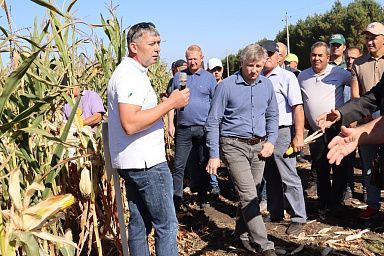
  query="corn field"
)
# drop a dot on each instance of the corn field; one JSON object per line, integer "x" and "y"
{"x": 55, "y": 196}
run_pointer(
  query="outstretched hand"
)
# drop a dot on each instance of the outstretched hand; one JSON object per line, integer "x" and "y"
{"x": 343, "y": 144}
{"x": 326, "y": 120}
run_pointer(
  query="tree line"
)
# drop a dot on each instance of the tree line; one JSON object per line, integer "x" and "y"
{"x": 348, "y": 20}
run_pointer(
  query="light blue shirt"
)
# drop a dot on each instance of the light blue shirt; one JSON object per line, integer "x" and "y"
{"x": 201, "y": 86}
{"x": 288, "y": 93}
{"x": 242, "y": 110}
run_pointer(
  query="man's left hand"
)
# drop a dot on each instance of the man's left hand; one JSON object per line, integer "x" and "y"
{"x": 213, "y": 165}
{"x": 297, "y": 143}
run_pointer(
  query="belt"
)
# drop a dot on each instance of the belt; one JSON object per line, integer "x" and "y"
{"x": 250, "y": 141}
{"x": 284, "y": 126}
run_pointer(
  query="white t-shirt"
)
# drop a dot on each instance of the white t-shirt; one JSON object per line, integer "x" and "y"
{"x": 130, "y": 84}
{"x": 322, "y": 92}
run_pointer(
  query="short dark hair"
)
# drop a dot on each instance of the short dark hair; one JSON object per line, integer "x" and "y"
{"x": 136, "y": 31}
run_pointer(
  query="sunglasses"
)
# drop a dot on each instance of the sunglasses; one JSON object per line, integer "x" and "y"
{"x": 141, "y": 25}
{"x": 216, "y": 69}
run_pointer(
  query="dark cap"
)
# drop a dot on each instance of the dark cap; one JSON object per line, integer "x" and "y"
{"x": 178, "y": 63}
{"x": 270, "y": 46}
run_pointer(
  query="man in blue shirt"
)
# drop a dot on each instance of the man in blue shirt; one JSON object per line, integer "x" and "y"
{"x": 189, "y": 132}
{"x": 284, "y": 189}
{"x": 244, "y": 119}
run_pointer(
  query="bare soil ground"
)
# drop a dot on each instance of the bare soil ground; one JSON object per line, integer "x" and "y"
{"x": 209, "y": 230}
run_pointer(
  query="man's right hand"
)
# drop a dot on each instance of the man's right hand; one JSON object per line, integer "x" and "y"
{"x": 326, "y": 120}
{"x": 179, "y": 98}
{"x": 171, "y": 130}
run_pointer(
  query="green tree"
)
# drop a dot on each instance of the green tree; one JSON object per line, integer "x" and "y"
{"x": 350, "y": 21}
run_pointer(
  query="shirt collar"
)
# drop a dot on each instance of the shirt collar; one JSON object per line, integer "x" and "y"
{"x": 326, "y": 70}
{"x": 240, "y": 79}
{"x": 275, "y": 72}
{"x": 371, "y": 57}
{"x": 198, "y": 72}
{"x": 137, "y": 65}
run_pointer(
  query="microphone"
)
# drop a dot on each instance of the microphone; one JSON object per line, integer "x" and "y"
{"x": 183, "y": 80}
{"x": 182, "y": 83}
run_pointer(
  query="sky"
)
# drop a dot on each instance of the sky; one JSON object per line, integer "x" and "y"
{"x": 219, "y": 27}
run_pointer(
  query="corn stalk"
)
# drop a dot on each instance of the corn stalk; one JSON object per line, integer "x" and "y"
{"x": 50, "y": 160}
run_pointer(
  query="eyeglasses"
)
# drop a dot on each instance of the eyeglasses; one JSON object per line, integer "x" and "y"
{"x": 140, "y": 25}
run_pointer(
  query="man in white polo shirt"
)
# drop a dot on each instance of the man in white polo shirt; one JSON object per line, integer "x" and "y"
{"x": 322, "y": 88}
{"x": 284, "y": 189}
{"x": 136, "y": 141}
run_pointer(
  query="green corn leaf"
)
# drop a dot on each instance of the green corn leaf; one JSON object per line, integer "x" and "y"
{"x": 13, "y": 81}
{"x": 42, "y": 133}
{"x": 59, "y": 150}
{"x": 28, "y": 242}
{"x": 49, "y": 6}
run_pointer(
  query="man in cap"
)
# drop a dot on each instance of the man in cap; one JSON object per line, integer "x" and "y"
{"x": 284, "y": 189}
{"x": 283, "y": 50}
{"x": 291, "y": 62}
{"x": 176, "y": 67}
{"x": 366, "y": 72}
{"x": 337, "y": 45}
{"x": 215, "y": 66}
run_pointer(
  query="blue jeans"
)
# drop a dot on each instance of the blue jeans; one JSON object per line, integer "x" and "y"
{"x": 367, "y": 154}
{"x": 190, "y": 144}
{"x": 246, "y": 171}
{"x": 149, "y": 194}
{"x": 213, "y": 182}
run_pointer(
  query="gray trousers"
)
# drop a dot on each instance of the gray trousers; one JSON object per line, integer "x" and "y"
{"x": 284, "y": 188}
{"x": 246, "y": 171}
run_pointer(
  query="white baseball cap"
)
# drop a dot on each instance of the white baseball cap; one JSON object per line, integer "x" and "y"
{"x": 214, "y": 62}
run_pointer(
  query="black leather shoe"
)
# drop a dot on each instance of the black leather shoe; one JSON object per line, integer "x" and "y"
{"x": 294, "y": 228}
{"x": 270, "y": 252}
{"x": 247, "y": 245}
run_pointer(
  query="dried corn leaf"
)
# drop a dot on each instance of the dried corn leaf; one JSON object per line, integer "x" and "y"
{"x": 356, "y": 236}
{"x": 324, "y": 230}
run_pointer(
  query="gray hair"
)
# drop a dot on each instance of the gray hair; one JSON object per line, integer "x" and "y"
{"x": 321, "y": 44}
{"x": 253, "y": 52}
{"x": 138, "y": 30}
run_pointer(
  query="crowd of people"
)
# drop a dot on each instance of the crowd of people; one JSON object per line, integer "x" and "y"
{"x": 247, "y": 120}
